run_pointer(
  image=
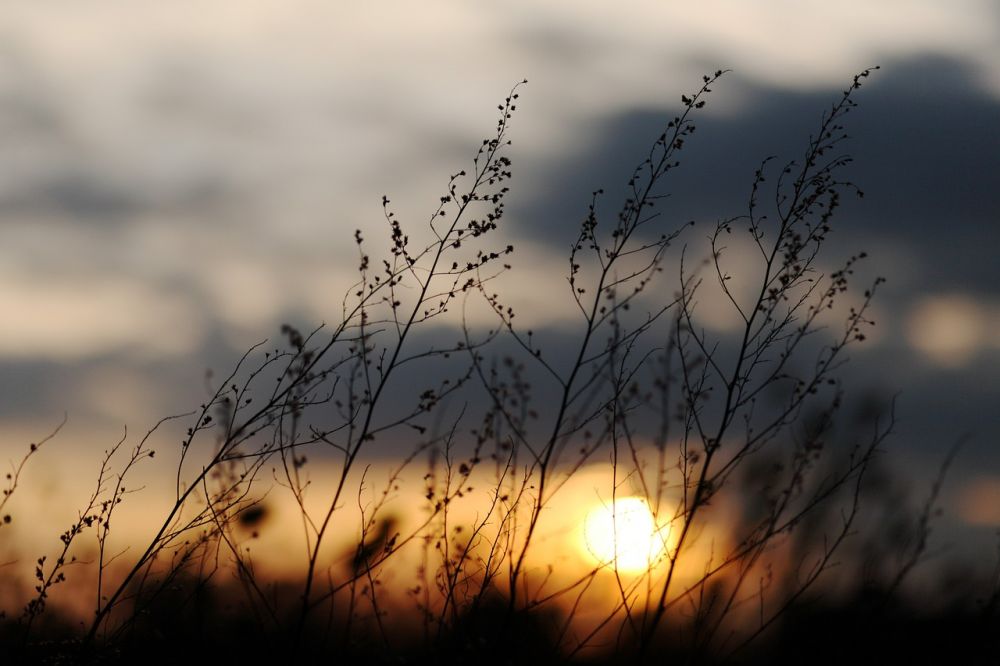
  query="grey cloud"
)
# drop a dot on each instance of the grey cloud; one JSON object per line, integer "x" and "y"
{"x": 926, "y": 141}
{"x": 74, "y": 194}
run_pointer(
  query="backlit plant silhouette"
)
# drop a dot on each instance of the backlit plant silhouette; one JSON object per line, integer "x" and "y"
{"x": 728, "y": 434}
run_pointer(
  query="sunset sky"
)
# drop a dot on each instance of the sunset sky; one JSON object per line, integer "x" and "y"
{"x": 178, "y": 179}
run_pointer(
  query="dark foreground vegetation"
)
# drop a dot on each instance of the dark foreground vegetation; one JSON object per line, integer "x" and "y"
{"x": 767, "y": 496}
{"x": 210, "y": 625}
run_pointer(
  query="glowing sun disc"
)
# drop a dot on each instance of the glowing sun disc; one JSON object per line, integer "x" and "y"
{"x": 624, "y": 534}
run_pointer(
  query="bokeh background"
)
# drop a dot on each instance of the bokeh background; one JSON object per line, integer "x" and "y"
{"x": 178, "y": 179}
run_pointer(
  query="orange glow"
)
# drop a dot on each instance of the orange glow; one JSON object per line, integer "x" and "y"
{"x": 624, "y": 535}
{"x": 949, "y": 329}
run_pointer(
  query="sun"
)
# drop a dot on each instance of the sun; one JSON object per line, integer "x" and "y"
{"x": 624, "y": 534}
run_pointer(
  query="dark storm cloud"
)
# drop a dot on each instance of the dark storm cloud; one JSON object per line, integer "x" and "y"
{"x": 926, "y": 140}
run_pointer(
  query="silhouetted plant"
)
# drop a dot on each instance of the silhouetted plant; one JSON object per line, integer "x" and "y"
{"x": 14, "y": 475}
{"x": 686, "y": 419}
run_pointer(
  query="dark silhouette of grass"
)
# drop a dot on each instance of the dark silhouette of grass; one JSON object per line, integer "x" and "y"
{"x": 687, "y": 420}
